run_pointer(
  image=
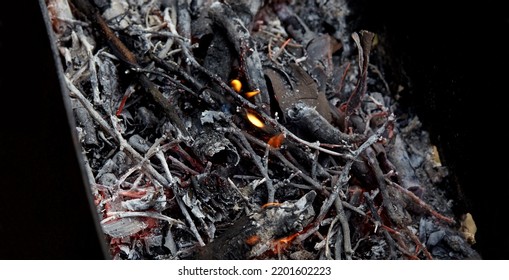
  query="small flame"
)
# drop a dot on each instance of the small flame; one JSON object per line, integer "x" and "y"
{"x": 255, "y": 120}
{"x": 276, "y": 141}
{"x": 250, "y": 94}
{"x": 236, "y": 85}
{"x": 283, "y": 243}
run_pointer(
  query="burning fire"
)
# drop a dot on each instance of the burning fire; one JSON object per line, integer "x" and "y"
{"x": 281, "y": 244}
{"x": 250, "y": 94}
{"x": 255, "y": 120}
{"x": 236, "y": 85}
{"x": 276, "y": 141}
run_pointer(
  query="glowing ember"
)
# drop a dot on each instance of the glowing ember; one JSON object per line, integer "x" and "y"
{"x": 271, "y": 204}
{"x": 276, "y": 141}
{"x": 252, "y": 240}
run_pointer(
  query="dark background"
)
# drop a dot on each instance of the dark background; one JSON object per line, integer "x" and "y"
{"x": 44, "y": 207}
{"x": 454, "y": 55}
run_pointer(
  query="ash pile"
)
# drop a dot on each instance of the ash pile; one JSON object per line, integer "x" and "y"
{"x": 249, "y": 130}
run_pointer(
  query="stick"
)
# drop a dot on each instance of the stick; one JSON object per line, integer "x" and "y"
{"x": 378, "y": 222}
{"x": 344, "y": 177}
{"x": 278, "y": 154}
{"x": 347, "y": 244}
{"x": 419, "y": 202}
{"x": 271, "y": 191}
{"x": 192, "y": 226}
{"x": 121, "y": 215}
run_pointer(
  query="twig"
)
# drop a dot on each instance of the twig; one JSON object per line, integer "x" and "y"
{"x": 222, "y": 15}
{"x": 246, "y": 200}
{"x": 184, "y": 155}
{"x": 91, "y": 66}
{"x": 271, "y": 191}
{"x": 159, "y": 154}
{"x": 419, "y": 202}
{"x": 344, "y": 177}
{"x": 393, "y": 207}
{"x": 402, "y": 247}
{"x": 343, "y": 180}
{"x": 418, "y": 244}
{"x": 280, "y": 50}
{"x": 328, "y": 237}
{"x": 121, "y": 215}
{"x": 192, "y": 226}
{"x": 338, "y": 245}
{"x": 378, "y": 222}
{"x": 278, "y": 154}
{"x": 181, "y": 165}
{"x": 347, "y": 244}
{"x": 379, "y": 73}
{"x": 170, "y": 243}
{"x": 353, "y": 208}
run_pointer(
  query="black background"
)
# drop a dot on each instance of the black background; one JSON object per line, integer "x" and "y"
{"x": 457, "y": 59}
{"x": 44, "y": 207}
{"x": 455, "y": 55}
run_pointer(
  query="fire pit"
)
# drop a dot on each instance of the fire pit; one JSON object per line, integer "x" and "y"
{"x": 250, "y": 130}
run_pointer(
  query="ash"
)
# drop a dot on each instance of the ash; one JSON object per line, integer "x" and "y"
{"x": 250, "y": 130}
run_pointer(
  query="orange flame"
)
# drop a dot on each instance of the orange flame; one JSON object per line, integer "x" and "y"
{"x": 236, "y": 85}
{"x": 250, "y": 94}
{"x": 255, "y": 120}
{"x": 283, "y": 243}
{"x": 276, "y": 141}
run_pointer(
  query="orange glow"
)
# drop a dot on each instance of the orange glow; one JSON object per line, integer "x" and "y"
{"x": 255, "y": 120}
{"x": 252, "y": 240}
{"x": 236, "y": 85}
{"x": 283, "y": 243}
{"x": 342, "y": 107}
{"x": 250, "y": 94}
{"x": 271, "y": 204}
{"x": 133, "y": 194}
{"x": 276, "y": 141}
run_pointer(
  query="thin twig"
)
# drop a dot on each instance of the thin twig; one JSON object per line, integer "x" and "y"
{"x": 121, "y": 215}
{"x": 378, "y": 221}
{"x": 189, "y": 220}
{"x": 344, "y": 177}
{"x": 328, "y": 237}
{"x": 419, "y": 202}
{"x": 278, "y": 154}
{"x": 257, "y": 161}
{"x": 347, "y": 244}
